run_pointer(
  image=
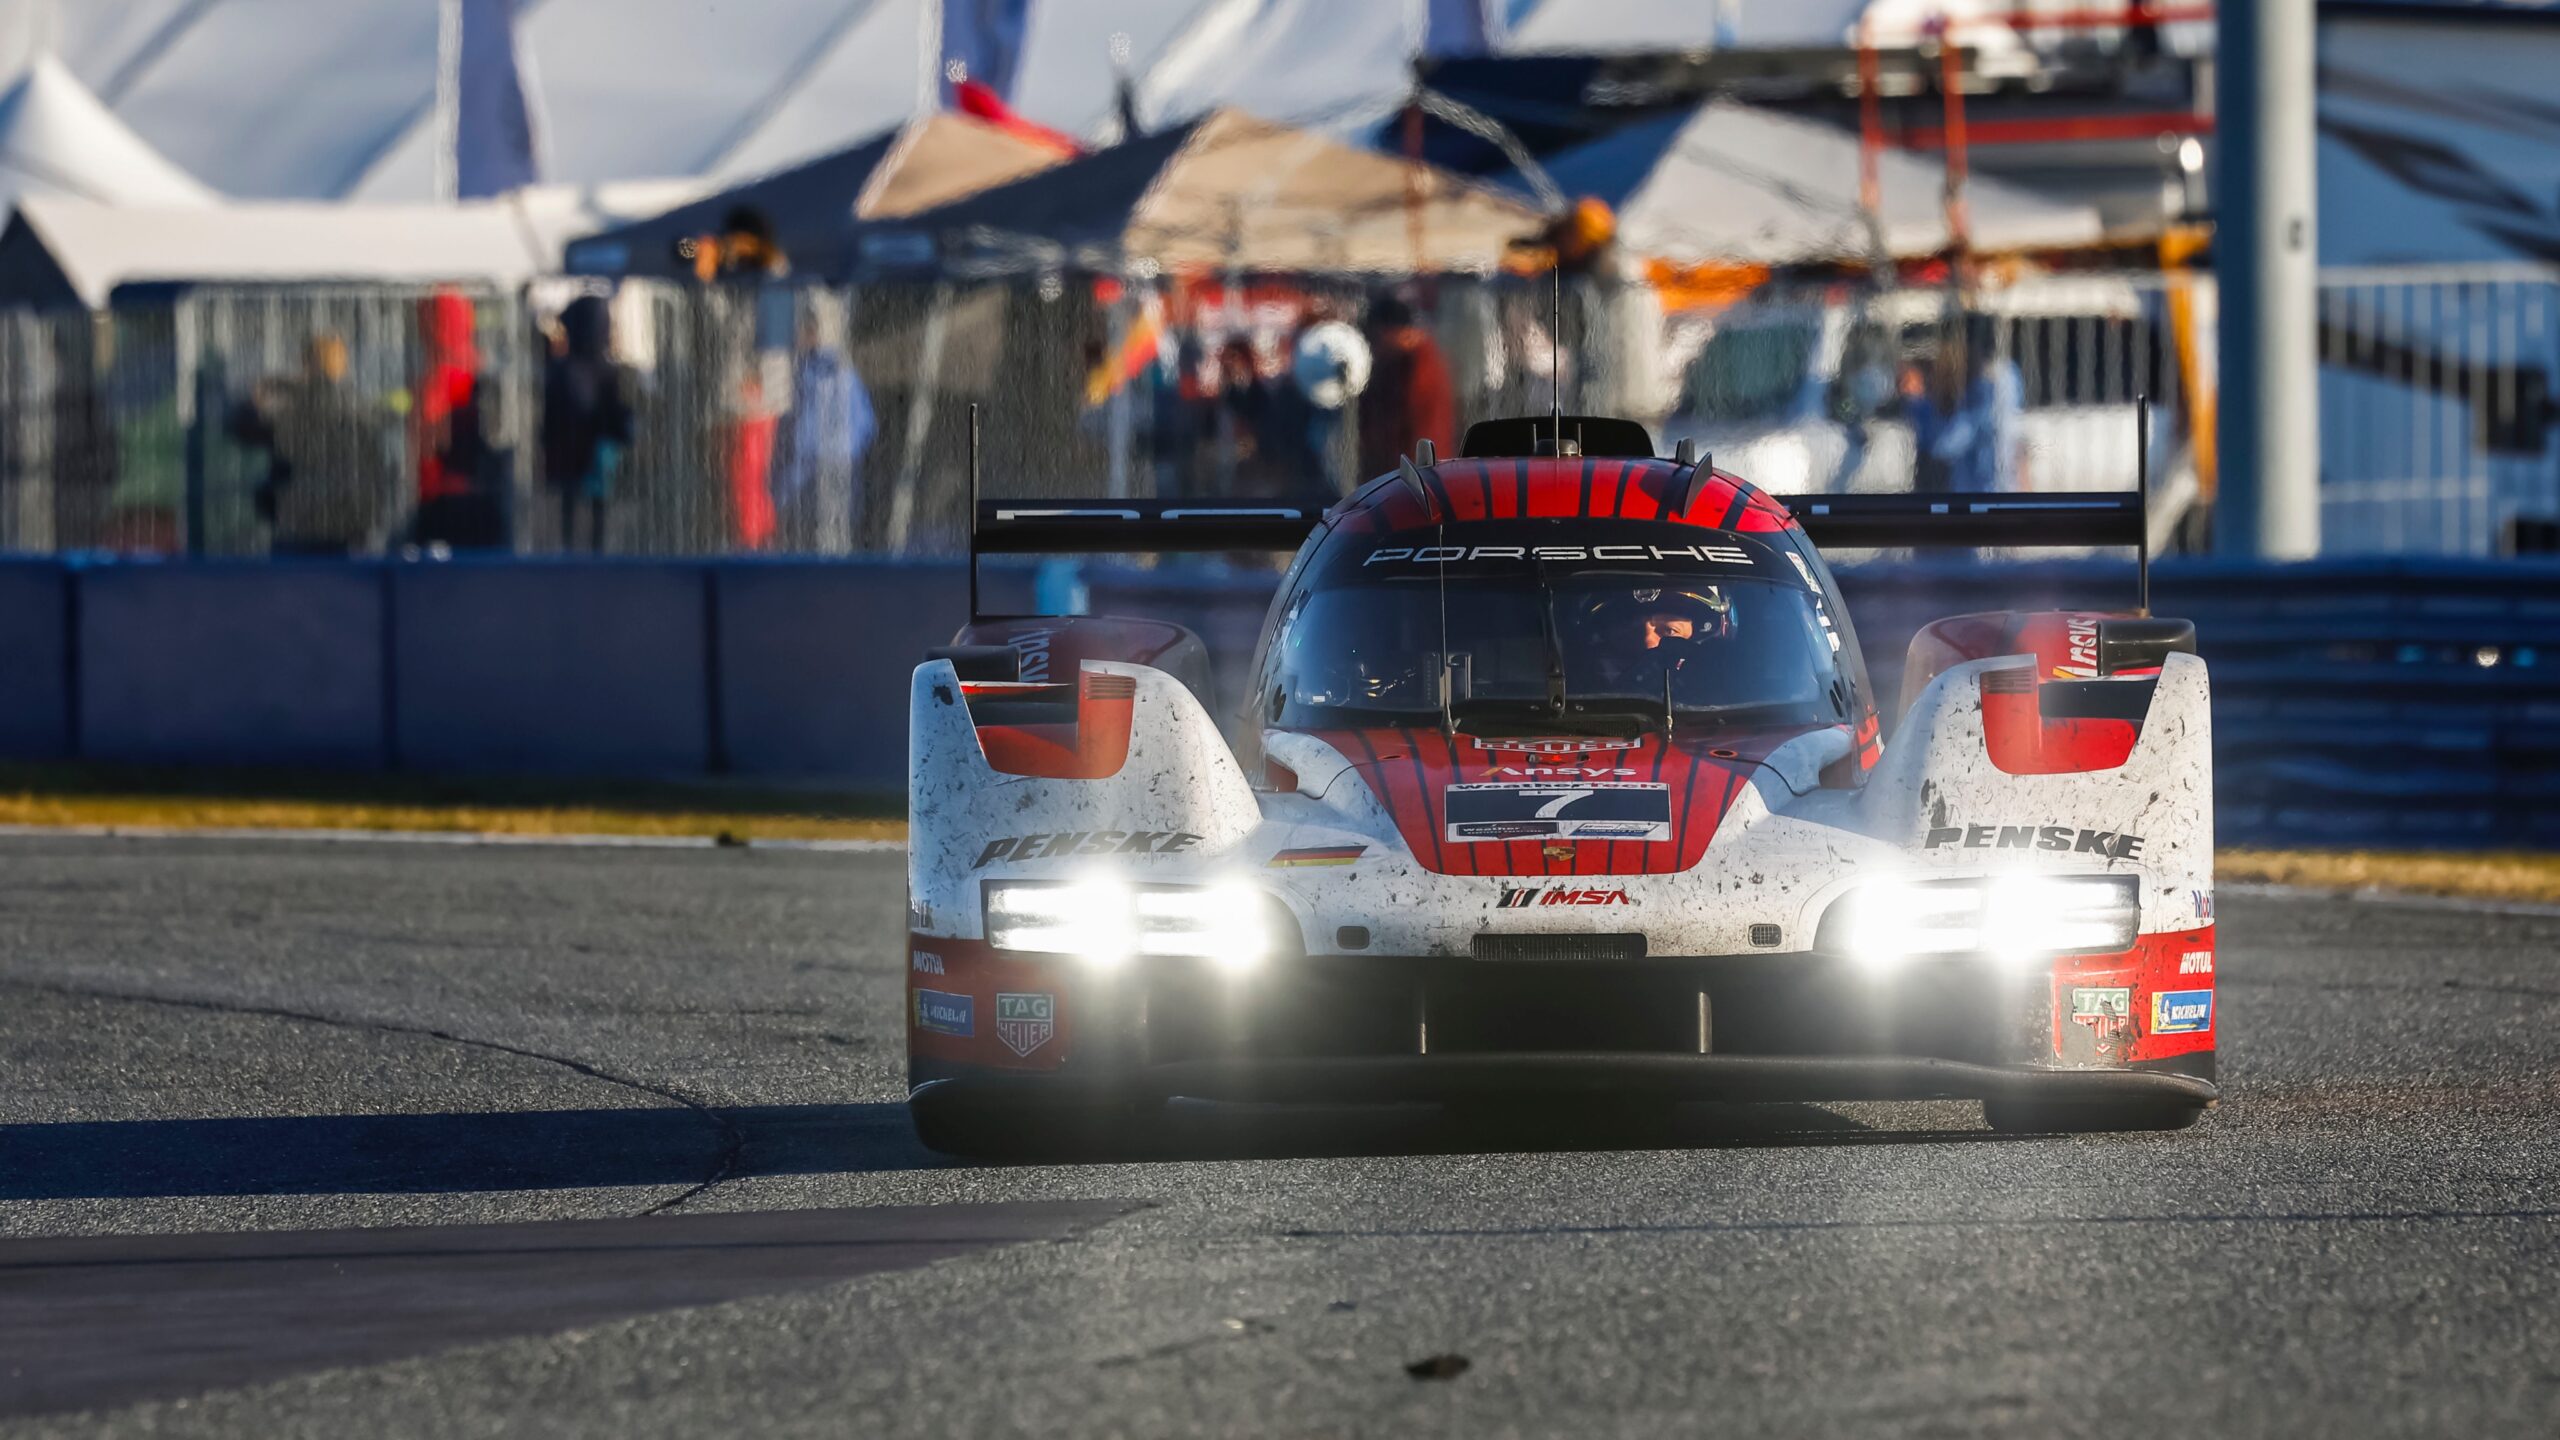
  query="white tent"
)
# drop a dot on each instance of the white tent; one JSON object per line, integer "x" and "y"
{"x": 57, "y": 140}
{"x": 1733, "y": 182}
{"x": 335, "y": 99}
{"x": 60, "y": 248}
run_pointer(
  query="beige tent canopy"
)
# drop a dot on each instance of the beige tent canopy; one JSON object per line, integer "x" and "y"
{"x": 1227, "y": 190}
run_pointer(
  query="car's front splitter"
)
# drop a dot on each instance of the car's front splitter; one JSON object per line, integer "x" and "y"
{"x": 1387, "y": 1079}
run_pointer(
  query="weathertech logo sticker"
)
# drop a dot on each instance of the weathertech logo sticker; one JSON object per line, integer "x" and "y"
{"x": 1026, "y": 1022}
{"x": 2181, "y": 1012}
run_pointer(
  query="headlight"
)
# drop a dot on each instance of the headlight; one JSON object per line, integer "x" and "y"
{"x": 1104, "y": 922}
{"x": 2009, "y": 916}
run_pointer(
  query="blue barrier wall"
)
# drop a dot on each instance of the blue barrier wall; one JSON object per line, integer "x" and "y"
{"x": 554, "y": 667}
{"x": 35, "y": 661}
{"x": 814, "y": 663}
{"x": 248, "y": 664}
{"x": 2367, "y": 703}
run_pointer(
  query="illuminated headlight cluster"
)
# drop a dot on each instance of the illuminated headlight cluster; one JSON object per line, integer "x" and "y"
{"x": 2010, "y": 916}
{"x": 1105, "y": 922}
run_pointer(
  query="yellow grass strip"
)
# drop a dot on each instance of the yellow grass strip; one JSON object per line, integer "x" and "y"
{"x": 189, "y": 812}
{"x": 2501, "y": 875}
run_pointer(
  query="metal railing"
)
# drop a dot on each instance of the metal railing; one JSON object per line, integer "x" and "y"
{"x": 2436, "y": 414}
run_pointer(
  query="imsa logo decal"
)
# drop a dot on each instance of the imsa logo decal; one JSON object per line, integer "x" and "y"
{"x": 1517, "y": 897}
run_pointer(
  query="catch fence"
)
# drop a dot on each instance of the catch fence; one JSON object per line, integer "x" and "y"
{"x": 832, "y": 420}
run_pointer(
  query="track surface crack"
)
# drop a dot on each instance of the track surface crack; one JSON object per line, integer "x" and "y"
{"x": 733, "y": 1140}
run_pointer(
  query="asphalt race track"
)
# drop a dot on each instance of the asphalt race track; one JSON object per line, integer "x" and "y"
{"x": 225, "y": 1066}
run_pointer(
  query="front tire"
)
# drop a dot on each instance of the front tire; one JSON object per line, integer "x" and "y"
{"x": 2045, "y": 1117}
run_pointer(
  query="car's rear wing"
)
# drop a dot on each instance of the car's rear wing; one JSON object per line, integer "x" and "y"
{"x": 1846, "y": 522}
{"x": 1137, "y": 527}
{"x": 1879, "y": 522}
{"x": 2066, "y": 519}
{"x": 1834, "y": 522}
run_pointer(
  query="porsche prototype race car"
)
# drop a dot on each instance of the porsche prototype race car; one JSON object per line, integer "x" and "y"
{"x": 1560, "y": 778}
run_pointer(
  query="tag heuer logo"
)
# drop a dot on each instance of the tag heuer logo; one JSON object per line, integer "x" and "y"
{"x": 1026, "y": 1022}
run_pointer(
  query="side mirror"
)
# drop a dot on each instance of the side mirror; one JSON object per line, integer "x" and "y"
{"x": 1461, "y": 677}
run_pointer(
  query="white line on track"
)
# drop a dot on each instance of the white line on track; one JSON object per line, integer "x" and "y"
{"x": 438, "y": 837}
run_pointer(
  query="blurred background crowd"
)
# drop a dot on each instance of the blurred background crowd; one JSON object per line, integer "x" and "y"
{"x": 1176, "y": 248}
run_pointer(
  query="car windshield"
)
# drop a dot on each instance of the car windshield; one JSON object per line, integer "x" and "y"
{"x": 1743, "y": 650}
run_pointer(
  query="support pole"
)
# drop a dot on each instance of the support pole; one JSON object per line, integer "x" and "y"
{"x": 2267, "y": 258}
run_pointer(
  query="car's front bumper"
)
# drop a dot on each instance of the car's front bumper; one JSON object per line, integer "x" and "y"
{"x": 1385, "y": 1028}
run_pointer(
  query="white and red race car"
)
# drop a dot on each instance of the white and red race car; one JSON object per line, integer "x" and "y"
{"x": 1560, "y": 777}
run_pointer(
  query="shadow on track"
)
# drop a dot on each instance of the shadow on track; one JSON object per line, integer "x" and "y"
{"x": 593, "y": 1149}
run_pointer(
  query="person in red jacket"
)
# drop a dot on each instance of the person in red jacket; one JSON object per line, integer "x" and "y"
{"x": 1410, "y": 396}
{"x": 448, "y": 386}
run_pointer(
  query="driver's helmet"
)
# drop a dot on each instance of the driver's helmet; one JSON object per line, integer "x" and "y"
{"x": 1666, "y": 623}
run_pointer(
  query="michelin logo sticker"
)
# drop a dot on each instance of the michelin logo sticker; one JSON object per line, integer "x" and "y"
{"x": 946, "y": 1014}
{"x": 2181, "y": 1012}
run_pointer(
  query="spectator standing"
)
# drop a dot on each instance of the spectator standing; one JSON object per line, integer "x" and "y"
{"x": 586, "y": 419}
{"x": 1180, "y": 406}
{"x": 1968, "y": 431}
{"x": 1410, "y": 396}
{"x": 751, "y": 434}
{"x": 1240, "y": 411}
{"x": 1329, "y": 368}
{"x": 448, "y": 430}
{"x": 83, "y": 457}
{"x": 832, "y": 426}
{"x": 328, "y": 468}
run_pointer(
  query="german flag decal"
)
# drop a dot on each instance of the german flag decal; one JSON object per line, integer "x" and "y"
{"x": 1320, "y": 855}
